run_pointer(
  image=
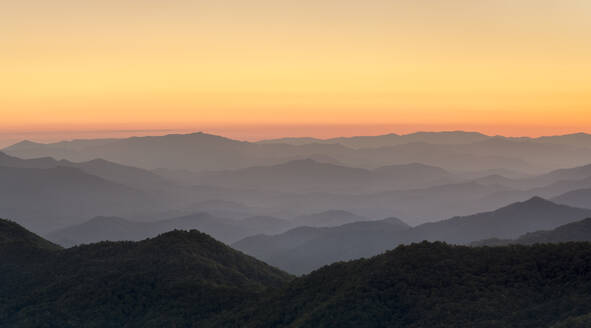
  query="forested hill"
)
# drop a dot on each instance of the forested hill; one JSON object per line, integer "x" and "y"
{"x": 437, "y": 285}
{"x": 11, "y": 233}
{"x": 188, "y": 279}
{"x": 178, "y": 279}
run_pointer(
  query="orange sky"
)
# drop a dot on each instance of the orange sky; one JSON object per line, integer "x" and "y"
{"x": 262, "y": 68}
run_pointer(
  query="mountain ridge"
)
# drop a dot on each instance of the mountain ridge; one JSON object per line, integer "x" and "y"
{"x": 302, "y": 250}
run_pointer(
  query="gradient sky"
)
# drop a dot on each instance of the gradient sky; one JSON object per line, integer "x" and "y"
{"x": 250, "y": 68}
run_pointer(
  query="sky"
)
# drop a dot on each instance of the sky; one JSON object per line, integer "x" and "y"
{"x": 261, "y": 68}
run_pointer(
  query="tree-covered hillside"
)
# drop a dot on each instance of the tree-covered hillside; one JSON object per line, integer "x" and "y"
{"x": 12, "y": 233}
{"x": 437, "y": 285}
{"x": 188, "y": 279}
{"x": 178, "y": 279}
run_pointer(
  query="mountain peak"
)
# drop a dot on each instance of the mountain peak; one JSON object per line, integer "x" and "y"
{"x": 395, "y": 221}
{"x": 537, "y": 200}
{"x": 23, "y": 145}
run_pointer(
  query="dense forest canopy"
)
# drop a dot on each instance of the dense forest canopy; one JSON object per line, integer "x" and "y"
{"x": 188, "y": 279}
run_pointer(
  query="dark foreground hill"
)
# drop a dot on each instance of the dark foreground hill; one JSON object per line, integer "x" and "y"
{"x": 187, "y": 279}
{"x": 11, "y": 233}
{"x": 178, "y": 279}
{"x": 437, "y": 285}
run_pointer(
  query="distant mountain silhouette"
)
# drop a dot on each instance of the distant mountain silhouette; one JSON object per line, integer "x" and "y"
{"x": 551, "y": 191}
{"x": 414, "y": 206}
{"x": 302, "y": 250}
{"x": 130, "y": 176}
{"x": 574, "y": 173}
{"x": 200, "y": 151}
{"x": 576, "y": 231}
{"x": 578, "y": 198}
{"x": 196, "y": 151}
{"x": 265, "y": 224}
{"x": 63, "y": 149}
{"x": 448, "y": 157}
{"x": 176, "y": 279}
{"x": 473, "y": 147}
{"x": 499, "y": 180}
{"x": 312, "y": 176}
{"x": 300, "y": 175}
{"x": 551, "y": 182}
{"x": 327, "y": 219}
{"x": 446, "y": 137}
{"x": 45, "y": 199}
{"x": 507, "y": 222}
{"x": 575, "y": 140}
{"x": 147, "y": 152}
{"x": 428, "y": 204}
{"x": 417, "y": 181}
{"x": 118, "y": 229}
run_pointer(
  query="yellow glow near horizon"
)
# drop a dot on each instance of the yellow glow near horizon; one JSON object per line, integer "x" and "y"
{"x": 150, "y": 64}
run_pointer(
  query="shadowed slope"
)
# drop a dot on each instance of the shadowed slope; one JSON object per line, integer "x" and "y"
{"x": 13, "y": 233}
{"x": 436, "y": 285}
{"x": 176, "y": 279}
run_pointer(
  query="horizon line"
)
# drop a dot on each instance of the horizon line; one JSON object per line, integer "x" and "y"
{"x": 205, "y": 131}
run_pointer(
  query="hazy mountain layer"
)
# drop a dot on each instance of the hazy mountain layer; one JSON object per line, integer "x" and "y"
{"x": 118, "y": 229}
{"x": 302, "y": 250}
{"x": 127, "y": 175}
{"x": 451, "y": 137}
{"x": 199, "y": 151}
{"x": 46, "y": 199}
{"x": 580, "y": 198}
{"x": 312, "y": 176}
{"x": 576, "y": 231}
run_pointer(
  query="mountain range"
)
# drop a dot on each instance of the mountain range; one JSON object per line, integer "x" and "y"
{"x": 93, "y": 178}
{"x": 446, "y": 137}
{"x": 200, "y": 151}
{"x": 302, "y": 250}
{"x": 186, "y": 278}
{"x": 576, "y": 231}
{"x": 127, "y": 175}
{"x": 45, "y": 199}
{"x": 119, "y": 229}
{"x": 313, "y": 176}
